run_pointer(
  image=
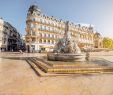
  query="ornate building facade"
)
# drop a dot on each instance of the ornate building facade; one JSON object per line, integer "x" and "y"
{"x": 98, "y": 40}
{"x": 42, "y": 32}
{"x": 9, "y": 37}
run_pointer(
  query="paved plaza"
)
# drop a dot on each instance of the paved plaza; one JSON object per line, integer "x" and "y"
{"x": 18, "y": 78}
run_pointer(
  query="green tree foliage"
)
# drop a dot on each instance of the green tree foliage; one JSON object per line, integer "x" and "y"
{"x": 108, "y": 43}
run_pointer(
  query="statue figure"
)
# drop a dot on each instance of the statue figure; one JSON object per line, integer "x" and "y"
{"x": 66, "y": 49}
{"x": 67, "y": 45}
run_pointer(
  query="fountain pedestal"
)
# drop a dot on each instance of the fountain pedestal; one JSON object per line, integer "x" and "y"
{"x": 66, "y": 57}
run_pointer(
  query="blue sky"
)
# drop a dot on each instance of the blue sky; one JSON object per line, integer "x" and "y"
{"x": 96, "y": 12}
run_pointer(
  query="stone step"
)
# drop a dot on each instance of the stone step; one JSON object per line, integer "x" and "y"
{"x": 41, "y": 62}
{"x": 43, "y": 74}
{"x": 69, "y": 64}
{"x": 35, "y": 67}
{"x": 45, "y": 70}
{"x": 75, "y": 68}
{"x": 63, "y": 65}
{"x": 80, "y": 70}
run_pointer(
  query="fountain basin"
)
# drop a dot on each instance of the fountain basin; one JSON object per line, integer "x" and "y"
{"x": 66, "y": 57}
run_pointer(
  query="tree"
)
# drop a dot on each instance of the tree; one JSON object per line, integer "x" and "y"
{"x": 108, "y": 43}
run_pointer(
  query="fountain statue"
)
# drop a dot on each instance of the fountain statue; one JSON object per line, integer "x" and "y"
{"x": 66, "y": 49}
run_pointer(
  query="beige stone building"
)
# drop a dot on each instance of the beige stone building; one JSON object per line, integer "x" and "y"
{"x": 1, "y": 34}
{"x": 9, "y": 37}
{"x": 42, "y": 32}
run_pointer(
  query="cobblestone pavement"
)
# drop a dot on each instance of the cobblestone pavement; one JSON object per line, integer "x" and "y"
{"x": 18, "y": 78}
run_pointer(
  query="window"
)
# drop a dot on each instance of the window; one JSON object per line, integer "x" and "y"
{"x": 47, "y": 28}
{"x": 44, "y": 41}
{"x": 40, "y": 34}
{"x": 34, "y": 13}
{"x": 40, "y": 41}
{"x": 43, "y": 27}
{"x": 49, "y": 35}
{"x": 36, "y": 26}
{"x": 54, "y": 24}
{"x": 33, "y": 47}
{"x": 46, "y": 21}
{"x": 40, "y": 27}
{"x": 54, "y": 42}
{"x": 43, "y": 21}
{"x": 35, "y": 19}
{"x": 51, "y": 29}
{"x": 4, "y": 42}
{"x": 71, "y": 33}
{"x": 28, "y": 33}
{"x": 48, "y": 41}
{"x": 31, "y": 25}
{"x": 40, "y": 20}
{"x": 33, "y": 33}
{"x": 44, "y": 35}
{"x": 33, "y": 39}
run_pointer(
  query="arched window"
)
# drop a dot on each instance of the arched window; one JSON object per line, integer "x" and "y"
{"x": 44, "y": 41}
{"x": 40, "y": 41}
{"x": 48, "y": 41}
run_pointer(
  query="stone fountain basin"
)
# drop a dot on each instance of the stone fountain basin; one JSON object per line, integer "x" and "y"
{"x": 66, "y": 57}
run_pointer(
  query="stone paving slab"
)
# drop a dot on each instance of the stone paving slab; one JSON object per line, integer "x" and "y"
{"x": 18, "y": 78}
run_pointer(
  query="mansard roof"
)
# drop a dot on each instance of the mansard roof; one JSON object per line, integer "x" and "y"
{"x": 34, "y": 8}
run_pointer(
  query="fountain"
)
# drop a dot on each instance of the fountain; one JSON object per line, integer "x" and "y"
{"x": 66, "y": 49}
{"x": 67, "y": 59}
